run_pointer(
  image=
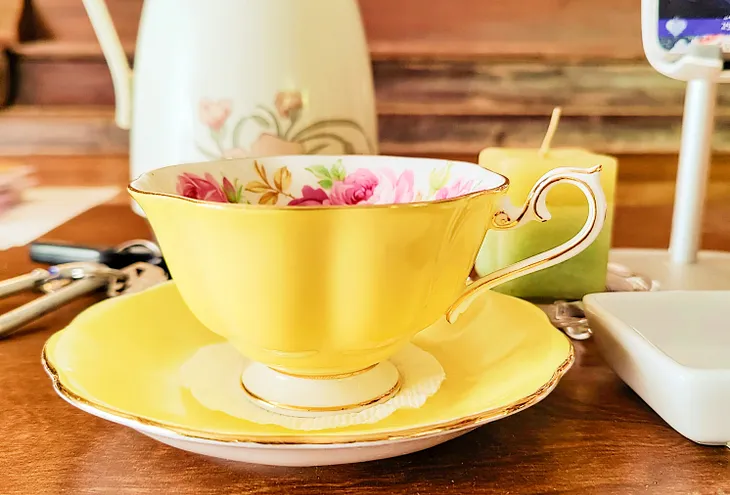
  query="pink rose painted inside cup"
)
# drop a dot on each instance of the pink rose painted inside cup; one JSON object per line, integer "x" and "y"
{"x": 358, "y": 187}
{"x": 458, "y": 188}
{"x": 331, "y": 184}
{"x": 197, "y": 187}
{"x": 395, "y": 189}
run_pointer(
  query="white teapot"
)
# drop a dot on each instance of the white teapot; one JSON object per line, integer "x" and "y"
{"x": 236, "y": 78}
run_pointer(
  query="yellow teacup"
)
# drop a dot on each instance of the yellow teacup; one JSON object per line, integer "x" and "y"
{"x": 326, "y": 265}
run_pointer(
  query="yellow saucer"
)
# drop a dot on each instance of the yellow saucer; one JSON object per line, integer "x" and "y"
{"x": 121, "y": 359}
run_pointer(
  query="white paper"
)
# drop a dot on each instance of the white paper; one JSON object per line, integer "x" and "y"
{"x": 45, "y": 208}
{"x": 213, "y": 376}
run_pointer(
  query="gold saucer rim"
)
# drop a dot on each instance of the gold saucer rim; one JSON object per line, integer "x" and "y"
{"x": 467, "y": 422}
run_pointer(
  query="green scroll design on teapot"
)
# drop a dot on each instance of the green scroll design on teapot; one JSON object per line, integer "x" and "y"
{"x": 281, "y": 130}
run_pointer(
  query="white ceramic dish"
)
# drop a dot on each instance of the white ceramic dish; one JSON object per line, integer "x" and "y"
{"x": 673, "y": 349}
{"x": 291, "y": 455}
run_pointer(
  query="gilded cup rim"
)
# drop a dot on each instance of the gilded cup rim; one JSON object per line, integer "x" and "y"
{"x": 499, "y": 188}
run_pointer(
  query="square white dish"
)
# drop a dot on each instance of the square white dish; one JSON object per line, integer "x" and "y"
{"x": 673, "y": 349}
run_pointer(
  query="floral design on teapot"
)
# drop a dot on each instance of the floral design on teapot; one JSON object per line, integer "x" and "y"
{"x": 326, "y": 185}
{"x": 279, "y": 130}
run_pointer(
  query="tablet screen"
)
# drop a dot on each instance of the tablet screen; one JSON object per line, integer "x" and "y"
{"x": 682, "y": 22}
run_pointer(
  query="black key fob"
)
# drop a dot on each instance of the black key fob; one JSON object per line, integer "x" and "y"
{"x": 56, "y": 253}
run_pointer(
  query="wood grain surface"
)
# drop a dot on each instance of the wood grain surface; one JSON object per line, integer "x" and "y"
{"x": 63, "y": 97}
{"x": 550, "y": 28}
{"x": 91, "y": 130}
{"x": 407, "y": 85}
{"x": 592, "y": 435}
{"x": 450, "y": 75}
{"x": 10, "y": 13}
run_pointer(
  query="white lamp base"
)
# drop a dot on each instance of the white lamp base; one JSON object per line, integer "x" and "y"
{"x": 711, "y": 272}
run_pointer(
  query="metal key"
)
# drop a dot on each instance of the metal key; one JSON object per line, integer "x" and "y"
{"x": 24, "y": 283}
{"x": 123, "y": 255}
{"x": 83, "y": 278}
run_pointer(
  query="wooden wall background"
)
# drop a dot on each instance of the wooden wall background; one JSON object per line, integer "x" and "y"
{"x": 563, "y": 28}
{"x": 452, "y": 76}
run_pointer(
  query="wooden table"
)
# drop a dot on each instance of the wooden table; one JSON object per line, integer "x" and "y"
{"x": 591, "y": 435}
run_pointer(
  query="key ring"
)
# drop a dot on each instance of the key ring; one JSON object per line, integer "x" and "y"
{"x": 85, "y": 269}
{"x": 71, "y": 280}
{"x": 59, "y": 276}
{"x": 150, "y": 246}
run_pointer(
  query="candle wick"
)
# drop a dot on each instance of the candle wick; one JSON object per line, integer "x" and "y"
{"x": 552, "y": 129}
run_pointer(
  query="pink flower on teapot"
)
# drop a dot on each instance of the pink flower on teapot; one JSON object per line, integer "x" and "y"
{"x": 214, "y": 113}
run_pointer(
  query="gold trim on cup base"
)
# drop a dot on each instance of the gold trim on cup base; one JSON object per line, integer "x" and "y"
{"x": 325, "y": 377}
{"x": 271, "y": 405}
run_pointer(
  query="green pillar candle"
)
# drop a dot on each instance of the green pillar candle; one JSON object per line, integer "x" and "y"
{"x": 572, "y": 279}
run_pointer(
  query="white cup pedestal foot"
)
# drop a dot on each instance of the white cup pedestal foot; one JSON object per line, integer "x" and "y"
{"x": 307, "y": 397}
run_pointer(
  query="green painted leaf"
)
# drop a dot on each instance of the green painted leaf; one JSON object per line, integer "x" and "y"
{"x": 338, "y": 171}
{"x": 261, "y": 121}
{"x": 439, "y": 178}
{"x": 325, "y": 183}
{"x": 236, "y": 134}
{"x": 320, "y": 171}
{"x": 230, "y": 195}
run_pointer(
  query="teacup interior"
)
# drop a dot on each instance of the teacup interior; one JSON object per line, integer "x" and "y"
{"x": 320, "y": 180}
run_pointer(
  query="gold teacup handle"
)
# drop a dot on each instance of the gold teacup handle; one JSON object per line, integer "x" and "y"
{"x": 508, "y": 216}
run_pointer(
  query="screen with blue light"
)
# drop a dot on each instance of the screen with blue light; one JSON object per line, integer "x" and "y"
{"x": 682, "y": 22}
